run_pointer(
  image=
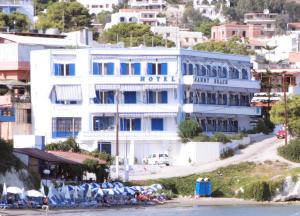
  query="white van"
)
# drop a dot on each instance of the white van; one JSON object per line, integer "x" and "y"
{"x": 157, "y": 158}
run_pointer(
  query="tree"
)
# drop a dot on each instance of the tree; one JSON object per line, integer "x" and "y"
{"x": 205, "y": 27}
{"x": 293, "y": 105}
{"x": 67, "y": 145}
{"x": 133, "y": 34}
{"x": 66, "y": 16}
{"x": 103, "y": 17}
{"x": 233, "y": 46}
{"x": 188, "y": 129}
{"x": 16, "y": 21}
{"x": 192, "y": 18}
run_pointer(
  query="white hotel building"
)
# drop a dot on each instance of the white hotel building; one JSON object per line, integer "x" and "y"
{"x": 74, "y": 93}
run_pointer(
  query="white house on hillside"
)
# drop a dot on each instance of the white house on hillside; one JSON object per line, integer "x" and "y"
{"x": 144, "y": 16}
{"x": 97, "y": 6}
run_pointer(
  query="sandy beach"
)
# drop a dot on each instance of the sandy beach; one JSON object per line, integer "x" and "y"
{"x": 177, "y": 202}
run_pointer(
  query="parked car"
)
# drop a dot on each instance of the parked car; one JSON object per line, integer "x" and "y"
{"x": 281, "y": 134}
{"x": 157, "y": 158}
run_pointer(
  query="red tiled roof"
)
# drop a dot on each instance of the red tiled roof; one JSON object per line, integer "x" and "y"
{"x": 42, "y": 155}
{"x": 76, "y": 157}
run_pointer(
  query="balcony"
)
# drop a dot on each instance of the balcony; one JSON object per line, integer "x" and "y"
{"x": 7, "y": 114}
{"x": 214, "y": 81}
{"x": 127, "y": 135}
{"x": 219, "y": 109}
{"x": 63, "y": 134}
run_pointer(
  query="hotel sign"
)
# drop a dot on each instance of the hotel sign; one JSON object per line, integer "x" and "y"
{"x": 158, "y": 79}
{"x": 211, "y": 81}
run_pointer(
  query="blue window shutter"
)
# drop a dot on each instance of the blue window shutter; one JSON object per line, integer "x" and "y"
{"x": 124, "y": 70}
{"x": 137, "y": 124}
{"x": 184, "y": 69}
{"x": 149, "y": 68}
{"x": 164, "y": 96}
{"x": 96, "y": 68}
{"x": 129, "y": 97}
{"x": 137, "y": 68}
{"x": 110, "y": 98}
{"x": 157, "y": 124}
{"x": 57, "y": 69}
{"x": 110, "y": 68}
{"x": 72, "y": 69}
{"x": 191, "y": 68}
{"x": 164, "y": 68}
{"x": 150, "y": 97}
{"x": 122, "y": 124}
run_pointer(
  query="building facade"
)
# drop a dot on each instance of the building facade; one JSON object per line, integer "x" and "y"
{"x": 227, "y": 31}
{"x": 143, "y": 16}
{"x": 148, "y": 4}
{"x": 208, "y": 9}
{"x": 97, "y": 6}
{"x": 181, "y": 38}
{"x": 22, "y": 6}
{"x": 153, "y": 89}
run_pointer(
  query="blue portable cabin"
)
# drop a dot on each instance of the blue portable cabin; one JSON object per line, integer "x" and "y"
{"x": 203, "y": 187}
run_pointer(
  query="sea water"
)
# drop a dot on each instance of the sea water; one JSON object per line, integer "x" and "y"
{"x": 252, "y": 210}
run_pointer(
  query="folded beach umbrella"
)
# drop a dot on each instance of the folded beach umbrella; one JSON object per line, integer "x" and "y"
{"x": 4, "y": 191}
{"x": 50, "y": 192}
{"x": 75, "y": 195}
{"x": 14, "y": 190}
{"x": 35, "y": 193}
{"x": 89, "y": 192}
{"x": 22, "y": 194}
{"x": 67, "y": 194}
{"x": 42, "y": 189}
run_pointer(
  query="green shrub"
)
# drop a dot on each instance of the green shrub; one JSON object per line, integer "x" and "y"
{"x": 227, "y": 153}
{"x": 220, "y": 137}
{"x": 67, "y": 145}
{"x": 238, "y": 136}
{"x": 291, "y": 151}
{"x": 189, "y": 129}
{"x": 259, "y": 191}
{"x": 262, "y": 126}
{"x": 201, "y": 138}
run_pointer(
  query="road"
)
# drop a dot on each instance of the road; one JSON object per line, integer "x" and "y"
{"x": 257, "y": 152}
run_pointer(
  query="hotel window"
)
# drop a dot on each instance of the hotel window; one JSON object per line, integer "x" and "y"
{"x": 198, "y": 70}
{"x": 203, "y": 98}
{"x": 130, "y": 97}
{"x": 184, "y": 66}
{"x": 208, "y": 70}
{"x": 157, "y": 97}
{"x": 100, "y": 68}
{"x": 244, "y": 74}
{"x": 233, "y": 73}
{"x": 130, "y": 124}
{"x": 213, "y": 72}
{"x": 66, "y": 94}
{"x": 64, "y": 69}
{"x": 130, "y": 69}
{"x": 157, "y": 124}
{"x": 203, "y": 70}
{"x": 223, "y": 72}
{"x": 191, "y": 69}
{"x": 157, "y": 69}
{"x": 222, "y": 99}
{"x": 104, "y": 97}
{"x": 103, "y": 123}
{"x": 211, "y": 98}
{"x": 63, "y": 127}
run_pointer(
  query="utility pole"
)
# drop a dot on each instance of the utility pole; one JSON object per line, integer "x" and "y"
{"x": 285, "y": 109}
{"x": 117, "y": 134}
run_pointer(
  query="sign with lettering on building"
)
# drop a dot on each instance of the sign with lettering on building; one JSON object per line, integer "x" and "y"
{"x": 158, "y": 79}
{"x": 210, "y": 81}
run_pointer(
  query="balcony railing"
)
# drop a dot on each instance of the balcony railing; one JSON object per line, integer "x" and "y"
{"x": 64, "y": 134}
{"x": 7, "y": 114}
